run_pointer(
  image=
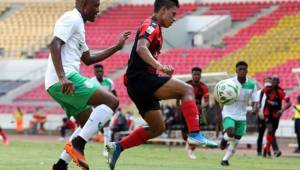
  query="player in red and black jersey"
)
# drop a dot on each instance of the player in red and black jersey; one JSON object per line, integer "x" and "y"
{"x": 201, "y": 94}
{"x": 145, "y": 87}
{"x": 273, "y": 109}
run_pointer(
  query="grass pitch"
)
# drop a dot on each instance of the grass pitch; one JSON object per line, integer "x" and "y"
{"x": 41, "y": 155}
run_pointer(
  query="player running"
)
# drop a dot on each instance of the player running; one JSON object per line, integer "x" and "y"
{"x": 145, "y": 87}
{"x": 234, "y": 116}
{"x": 74, "y": 92}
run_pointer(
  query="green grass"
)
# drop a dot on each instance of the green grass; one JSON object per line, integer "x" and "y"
{"x": 40, "y": 156}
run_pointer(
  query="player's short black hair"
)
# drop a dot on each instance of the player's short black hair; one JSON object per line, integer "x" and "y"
{"x": 241, "y": 63}
{"x": 98, "y": 66}
{"x": 196, "y": 69}
{"x": 158, "y": 4}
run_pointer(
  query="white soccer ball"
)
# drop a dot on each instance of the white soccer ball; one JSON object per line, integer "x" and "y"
{"x": 226, "y": 92}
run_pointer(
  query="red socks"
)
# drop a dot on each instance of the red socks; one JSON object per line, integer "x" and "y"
{"x": 191, "y": 115}
{"x": 137, "y": 137}
{"x": 3, "y": 134}
{"x": 269, "y": 138}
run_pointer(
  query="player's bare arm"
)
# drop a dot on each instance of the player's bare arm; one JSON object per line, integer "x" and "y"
{"x": 55, "y": 49}
{"x": 143, "y": 51}
{"x": 96, "y": 57}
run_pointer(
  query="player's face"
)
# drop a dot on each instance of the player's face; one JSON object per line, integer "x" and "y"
{"x": 98, "y": 72}
{"x": 242, "y": 71}
{"x": 196, "y": 75}
{"x": 168, "y": 16}
{"x": 91, "y": 10}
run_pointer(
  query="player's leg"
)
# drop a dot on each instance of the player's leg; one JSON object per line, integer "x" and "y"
{"x": 156, "y": 127}
{"x": 190, "y": 148}
{"x": 228, "y": 137}
{"x": 274, "y": 144}
{"x": 177, "y": 89}
{"x": 261, "y": 128}
{"x": 91, "y": 122}
{"x": 269, "y": 139}
{"x": 240, "y": 130}
{"x": 4, "y": 136}
{"x": 106, "y": 139}
{"x": 297, "y": 131}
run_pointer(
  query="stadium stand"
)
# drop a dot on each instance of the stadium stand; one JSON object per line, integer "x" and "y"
{"x": 30, "y": 28}
{"x": 104, "y": 31}
{"x": 7, "y": 85}
{"x": 3, "y": 7}
{"x": 11, "y": 108}
{"x": 284, "y": 71}
{"x": 272, "y": 41}
{"x": 237, "y": 11}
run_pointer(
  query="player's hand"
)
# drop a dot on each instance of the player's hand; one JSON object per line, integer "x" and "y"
{"x": 167, "y": 69}
{"x": 279, "y": 113}
{"x": 67, "y": 86}
{"x": 122, "y": 39}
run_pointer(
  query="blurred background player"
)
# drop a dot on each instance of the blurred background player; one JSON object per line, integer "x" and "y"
{"x": 234, "y": 115}
{"x": 107, "y": 84}
{"x": 145, "y": 87}
{"x": 19, "y": 120}
{"x": 68, "y": 124}
{"x": 74, "y": 92}
{"x": 273, "y": 109}
{"x": 4, "y": 136}
{"x": 296, "y": 118}
{"x": 261, "y": 124}
{"x": 202, "y": 99}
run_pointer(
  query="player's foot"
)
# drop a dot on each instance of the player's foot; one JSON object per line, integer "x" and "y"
{"x": 259, "y": 154}
{"x": 105, "y": 153}
{"x": 114, "y": 150}
{"x": 267, "y": 153}
{"x": 192, "y": 154}
{"x": 5, "y": 142}
{"x": 277, "y": 153}
{"x": 199, "y": 139}
{"x": 223, "y": 144}
{"x": 225, "y": 163}
{"x": 76, "y": 155}
{"x": 57, "y": 167}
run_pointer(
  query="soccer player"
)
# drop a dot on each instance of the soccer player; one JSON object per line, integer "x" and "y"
{"x": 145, "y": 87}
{"x": 4, "y": 136}
{"x": 107, "y": 84}
{"x": 234, "y": 116}
{"x": 273, "y": 109}
{"x": 297, "y": 123}
{"x": 261, "y": 124}
{"x": 201, "y": 92}
{"x": 74, "y": 92}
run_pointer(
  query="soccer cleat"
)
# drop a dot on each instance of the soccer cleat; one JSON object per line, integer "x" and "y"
{"x": 114, "y": 150}
{"x": 225, "y": 163}
{"x": 55, "y": 167}
{"x": 277, "y": 153}
{"x": 77, "y": 156}
{"x": 267, "y": 153}
{"x": 200, "y": 139}
{"x": 192, "y": 154}
{"x": 223, "y": 144}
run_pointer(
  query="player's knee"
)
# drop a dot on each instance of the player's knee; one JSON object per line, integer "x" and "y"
{"x": 188, "y": 90}
{"x": 114, "y": 103}
{"x": 158, "y": 130}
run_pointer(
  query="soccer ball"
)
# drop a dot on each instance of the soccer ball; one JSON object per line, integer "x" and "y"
{"x": 226, "y": 92}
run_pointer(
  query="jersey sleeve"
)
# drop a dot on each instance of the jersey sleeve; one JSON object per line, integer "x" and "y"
{"x": 112, "y": 85}
{"x": 65, "y": 27}
{"x": 205, "y": 90}
{"x": 149, "y": 32}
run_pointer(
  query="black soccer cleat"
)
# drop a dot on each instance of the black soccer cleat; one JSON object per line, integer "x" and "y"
{"x": 225, "y": 163}
{"x": 277, "y": 153}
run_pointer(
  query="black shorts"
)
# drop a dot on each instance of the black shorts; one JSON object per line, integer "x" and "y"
{"x": 141, "y": 90}
{"x": 297, "y": 126}
{"x": 273, "y": 121}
